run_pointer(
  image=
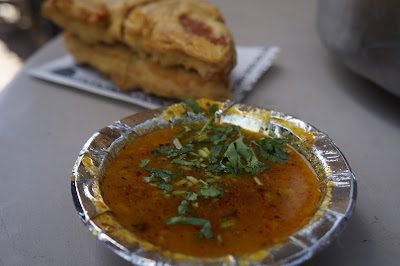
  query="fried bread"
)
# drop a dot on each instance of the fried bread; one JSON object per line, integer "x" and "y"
{"x": 184, "y": 37}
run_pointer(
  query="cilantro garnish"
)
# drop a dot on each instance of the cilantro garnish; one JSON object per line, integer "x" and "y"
{"x": 191, "y": 196}
{"x": 171, "y": 152}
{"x": 212, "y": 110}
{"x": 149, "y": 179}
{"x": 210, "y": 191}
{"x": 233, "y": 157}
{"x": 215, "y": 151}
{"x": 215, "y": 168}
{"x": 218, "y": 137}
{"x": 211, "y": 116}
{"x": 165, "y": 150}
{"x": 206, "y": 230}
{"x": 242, "y": 158}
{"x": 164, "y": 175}
{"x": 166, "y": 187}
{"x": 253, "y": 165}
{"x": 271, "y": 149}
{"x": 183, "y": 208}
{"x": 182, "y": 162}
{"x": 210, "y": 152}
{"x": 144, "y": 162}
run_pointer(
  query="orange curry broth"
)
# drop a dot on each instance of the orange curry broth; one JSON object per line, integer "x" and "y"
{"x": 263, "y": 215}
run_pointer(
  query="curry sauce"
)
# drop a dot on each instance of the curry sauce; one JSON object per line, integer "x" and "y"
{"x": 154, "y": 180}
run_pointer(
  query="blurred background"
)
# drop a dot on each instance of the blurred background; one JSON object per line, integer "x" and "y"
{"x": 365, "y": 38}
{"x": 22, "y": 31}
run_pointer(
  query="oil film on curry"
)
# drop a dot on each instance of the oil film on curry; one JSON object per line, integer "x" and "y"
{"x": 213, "y": 182}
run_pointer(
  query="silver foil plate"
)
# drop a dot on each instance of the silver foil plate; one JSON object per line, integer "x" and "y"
{"x": 324, "y": 156}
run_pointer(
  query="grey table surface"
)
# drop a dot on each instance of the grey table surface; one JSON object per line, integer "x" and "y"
{"x": 43, "y": 126}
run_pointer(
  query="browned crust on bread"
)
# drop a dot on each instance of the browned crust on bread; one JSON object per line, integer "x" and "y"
{"x": 131, "y": 72}
{"x": 184, "y": 33}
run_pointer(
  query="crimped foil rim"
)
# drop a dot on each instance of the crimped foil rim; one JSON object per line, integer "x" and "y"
{"x": 323, "y": 153}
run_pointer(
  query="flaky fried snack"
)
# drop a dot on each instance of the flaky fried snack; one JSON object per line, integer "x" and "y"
{"x": 184, "y": 44}
{"x": 129, "y": 70}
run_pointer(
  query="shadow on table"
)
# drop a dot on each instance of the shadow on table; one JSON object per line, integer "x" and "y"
{"x": 351, "y": 243}
{"x": 370, "y": 96}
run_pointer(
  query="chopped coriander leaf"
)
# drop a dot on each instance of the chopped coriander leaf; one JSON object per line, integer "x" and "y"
{"x": 215, "y": 151}
{"x": 198, "y": 164}
{"x": 206, "y": 125}
{"x": 195, "y": 106}
{"x": 234, "y": 154}
{"x": 182, "y": 162}
{"x": 148, "y": 179}
{"x": 166, "y": 187}
{"x": 271, "y": 149}
{"x": 218, "y": 137}
{"x": 144, "y": 162}
{"x": 222, "y": 140}
{"x": 175, "y": 153}
{"x": 219, "y": 238}
{"x": 164, "y": 175}
{"x": 191, "y": 196}
{"x": 210, "y": 191}
{"x": 211, "y": 116}
{"x": 166, "y": 150}
{"x": 249, "y": 155}
{"x": 239, "y": 132}
{"x": 183, "y": 208}
{"x": 168, "y": 172}
{"x": 281, "y": 155}
{"x": 262, "y": 169}
{"x": 233, "y": 157}
{"x": 212, "y": 175}
{"x": 215, "y": 168}
{"x": 206, "y": 230}
{"x": 213, "y": 108}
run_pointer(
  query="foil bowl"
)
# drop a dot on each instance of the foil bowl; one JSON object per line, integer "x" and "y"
{"x": 320, "y": 151}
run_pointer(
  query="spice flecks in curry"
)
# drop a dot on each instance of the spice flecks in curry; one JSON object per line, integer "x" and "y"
{"x": 248, "y": 211}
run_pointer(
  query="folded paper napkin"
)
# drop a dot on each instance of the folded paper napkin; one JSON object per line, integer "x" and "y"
{"x": 253, "y": 62}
